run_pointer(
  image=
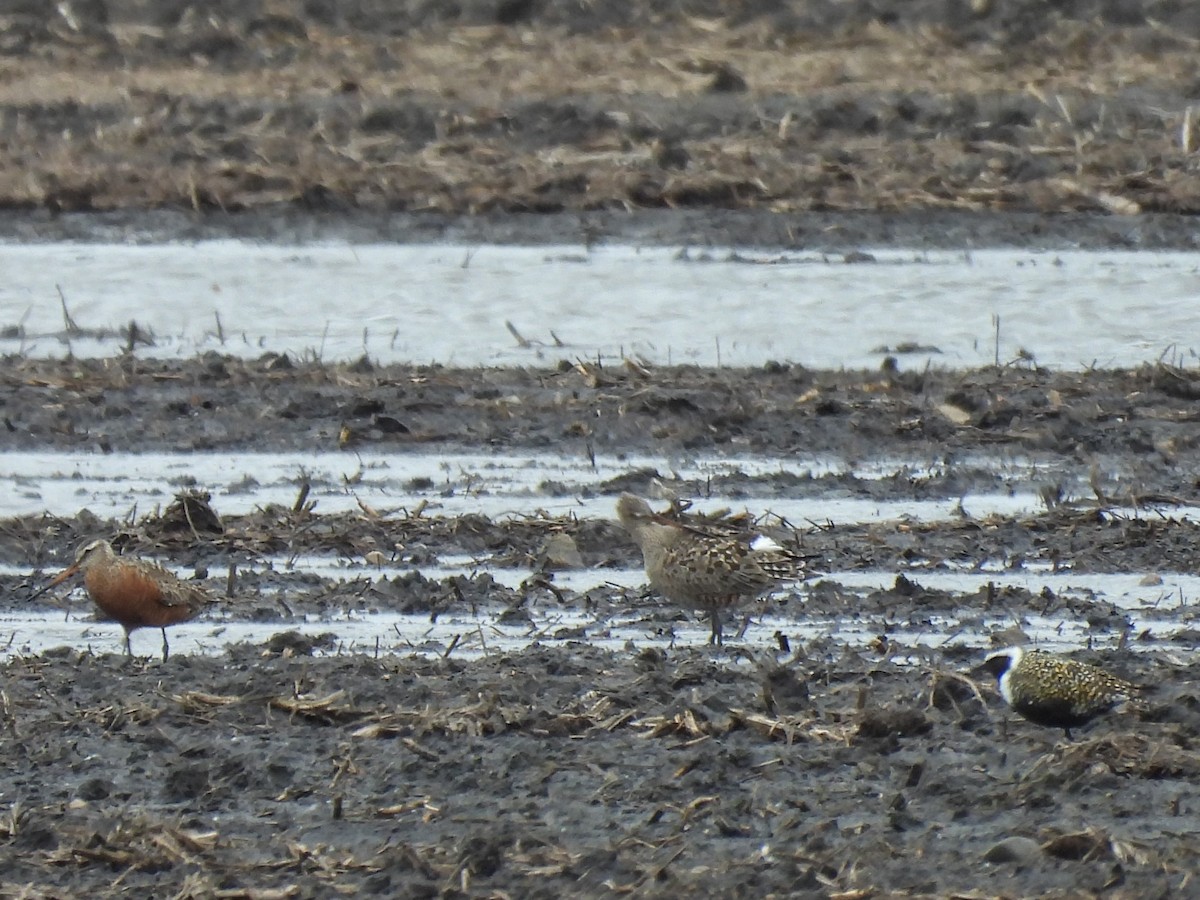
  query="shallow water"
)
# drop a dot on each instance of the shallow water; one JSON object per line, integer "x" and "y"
{"x": 120, "y": 484}
{"x": 123, "y": 485}
{"x": 449, "y": 304}
{"x": 1127, "y": 591}
{"x": 1160, "y": 607}
{"x": 471, "y": 637}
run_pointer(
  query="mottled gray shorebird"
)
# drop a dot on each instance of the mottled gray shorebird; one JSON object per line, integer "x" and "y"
{"x": 705, "y": 569}
{"x": 1049, "y": 690}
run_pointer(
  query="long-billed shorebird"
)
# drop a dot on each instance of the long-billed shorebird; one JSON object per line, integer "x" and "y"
{"x": 702, "y": 569}
{"x": 132, "y": 592}
{"x": 1053, "y": 691}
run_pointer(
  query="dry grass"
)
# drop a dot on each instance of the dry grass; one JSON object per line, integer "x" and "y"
{"x": 817, "y": 126}
{"x": 493, "y": 66}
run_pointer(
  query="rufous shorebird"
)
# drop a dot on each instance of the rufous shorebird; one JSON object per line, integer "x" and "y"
{"x": 132, "y": 592}
{"x": 705, "y": 569}
{"x": 1055, "y": 691}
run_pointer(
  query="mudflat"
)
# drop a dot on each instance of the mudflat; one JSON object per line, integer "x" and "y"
{"x": 796, "y": 766}
{"x": 805, "y": 766}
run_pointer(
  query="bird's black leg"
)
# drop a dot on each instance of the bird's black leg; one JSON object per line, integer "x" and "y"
{"x": 718, "y": 632}
{"x": 128, "y": 648}
{"x": 166, "y": 649}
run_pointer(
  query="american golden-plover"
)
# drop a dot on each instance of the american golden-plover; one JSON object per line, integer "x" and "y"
{"x": 702, "y": 569}
{"x": 132, "y": 592}
{"x": 1049, "y": 690}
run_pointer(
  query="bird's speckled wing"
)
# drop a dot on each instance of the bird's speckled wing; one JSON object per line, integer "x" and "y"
{"x": 701, "y": 569}
{"x": 1044, "y": 680}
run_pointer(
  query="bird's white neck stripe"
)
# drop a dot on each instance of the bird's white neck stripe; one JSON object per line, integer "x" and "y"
{"x": 1006, "y": 686}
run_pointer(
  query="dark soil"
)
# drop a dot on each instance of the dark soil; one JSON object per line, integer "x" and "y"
{"x": 1130, "y": 435}
{"x": 873, "y": 770}
{"x": 569, "y": 771}
{"x": 865, "y": 770}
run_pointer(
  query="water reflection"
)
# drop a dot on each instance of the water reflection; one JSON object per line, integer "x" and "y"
{"x": 474, "y": 636}
{"x": 1149, "y": 608}
{"x": 454, "y": 305}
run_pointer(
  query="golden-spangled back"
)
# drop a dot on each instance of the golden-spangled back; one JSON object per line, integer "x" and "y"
{"x": 1053, "y": 690}
{"x": 1043, "y": 678}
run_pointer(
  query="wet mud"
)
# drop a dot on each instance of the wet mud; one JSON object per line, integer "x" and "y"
{"x": 564, "y": 770}
{"x": 806, "y": 766}
{"x": 799, "y": 766}
{"x": 1124, "y": 436}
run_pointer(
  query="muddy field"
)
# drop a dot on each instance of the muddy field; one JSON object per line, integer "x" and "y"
{"x": 796, "y": 767}
{"x": 296, "y": 769}
{"x": 756, "y": 122}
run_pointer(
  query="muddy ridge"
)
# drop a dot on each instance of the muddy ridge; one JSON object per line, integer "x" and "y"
{"x": 1116, "y": 434}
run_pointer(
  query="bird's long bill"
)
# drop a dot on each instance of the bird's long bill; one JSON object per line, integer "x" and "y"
{"x": 54, "y": 582}
{"x": 981, "y": 673}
